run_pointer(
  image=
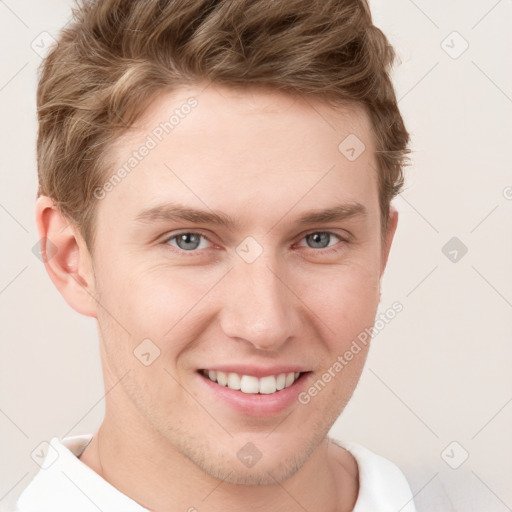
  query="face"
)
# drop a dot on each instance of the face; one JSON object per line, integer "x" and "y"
{"x": 242, "y": 246}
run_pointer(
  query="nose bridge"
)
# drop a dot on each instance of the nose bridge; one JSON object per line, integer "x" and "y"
{"x": 258, "y": 307}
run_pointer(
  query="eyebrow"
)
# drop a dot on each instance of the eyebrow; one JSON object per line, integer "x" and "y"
{"x": 176, "y": 212}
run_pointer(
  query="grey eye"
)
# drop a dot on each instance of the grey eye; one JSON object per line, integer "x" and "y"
{"x": 188, "y": 241}
{"x": 319, "y": 240}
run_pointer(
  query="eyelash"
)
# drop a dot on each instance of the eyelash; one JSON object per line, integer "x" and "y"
{"x": 196, "y": 252}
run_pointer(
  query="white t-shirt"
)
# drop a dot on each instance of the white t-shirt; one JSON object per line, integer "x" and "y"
{"x": 64, "y": 483}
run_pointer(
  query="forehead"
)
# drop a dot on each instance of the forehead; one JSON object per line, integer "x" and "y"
{"x": 229, "y": 149}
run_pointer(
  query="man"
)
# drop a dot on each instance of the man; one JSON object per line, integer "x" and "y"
{"x": 215, "y": 188}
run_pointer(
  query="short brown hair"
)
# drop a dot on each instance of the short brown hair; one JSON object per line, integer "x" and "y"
{"x": 116, "y": 56}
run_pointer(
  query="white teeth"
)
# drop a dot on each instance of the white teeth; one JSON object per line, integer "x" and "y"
{"x": 222, "y": 378}
{"x": 268, "y": 385}
{"x": 234, "y": 381}
{"x": 290, "y": 378}
{"x": 249, "y": 384}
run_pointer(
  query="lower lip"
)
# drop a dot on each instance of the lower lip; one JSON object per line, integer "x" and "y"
{"x": 257, "y": 404}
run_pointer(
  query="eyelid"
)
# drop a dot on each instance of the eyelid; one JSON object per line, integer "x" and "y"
{"x": 321, "y": 231}
{"x": 342, "y": 234}
{"x": 196, "y": 252}
{"x": 337, "y": 247}
{"x": 171, "y": 236}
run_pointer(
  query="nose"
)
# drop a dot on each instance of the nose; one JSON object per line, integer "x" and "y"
{"x": 260, "y": 307}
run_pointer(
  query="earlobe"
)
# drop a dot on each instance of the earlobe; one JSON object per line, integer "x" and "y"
{"x": 388, "y": 238}
{"x": 66, "y": 257}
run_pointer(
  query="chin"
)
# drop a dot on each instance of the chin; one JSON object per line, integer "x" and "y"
{"x": 267, "y": 472}
{"x": 275, "y": 463}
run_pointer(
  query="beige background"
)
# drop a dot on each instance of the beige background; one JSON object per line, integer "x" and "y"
{"x": 438, "y": 373}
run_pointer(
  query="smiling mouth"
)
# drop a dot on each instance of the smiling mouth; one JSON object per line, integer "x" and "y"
{"x": 250, "y": 384}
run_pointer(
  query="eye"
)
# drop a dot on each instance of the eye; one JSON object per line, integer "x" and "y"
{"x": 191, "y": 241}
{"x": 321, "y": 239}
{"x": 188, "y": 241}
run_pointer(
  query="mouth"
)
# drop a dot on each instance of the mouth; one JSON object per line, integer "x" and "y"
{"x": 254, "y": 392}
{"x": 251, "y": 384}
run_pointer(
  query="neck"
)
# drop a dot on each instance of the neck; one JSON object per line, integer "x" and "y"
{"x": 152, "y": 472}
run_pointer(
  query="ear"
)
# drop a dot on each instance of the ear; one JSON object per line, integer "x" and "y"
{"x": 66, "y": 257}
{"x": 388, "y": 237}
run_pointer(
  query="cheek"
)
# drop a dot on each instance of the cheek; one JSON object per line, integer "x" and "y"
{"x": 346, "y": 305}
{"x": 149, "y": 299}
{"x": 345, "y": 300}
{"x": 159, "y": 304}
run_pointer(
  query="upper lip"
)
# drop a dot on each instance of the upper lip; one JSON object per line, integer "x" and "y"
{"x": 257, "y": 371}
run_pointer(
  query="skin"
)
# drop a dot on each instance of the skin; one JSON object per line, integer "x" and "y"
{"x": 263, "y": 158}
